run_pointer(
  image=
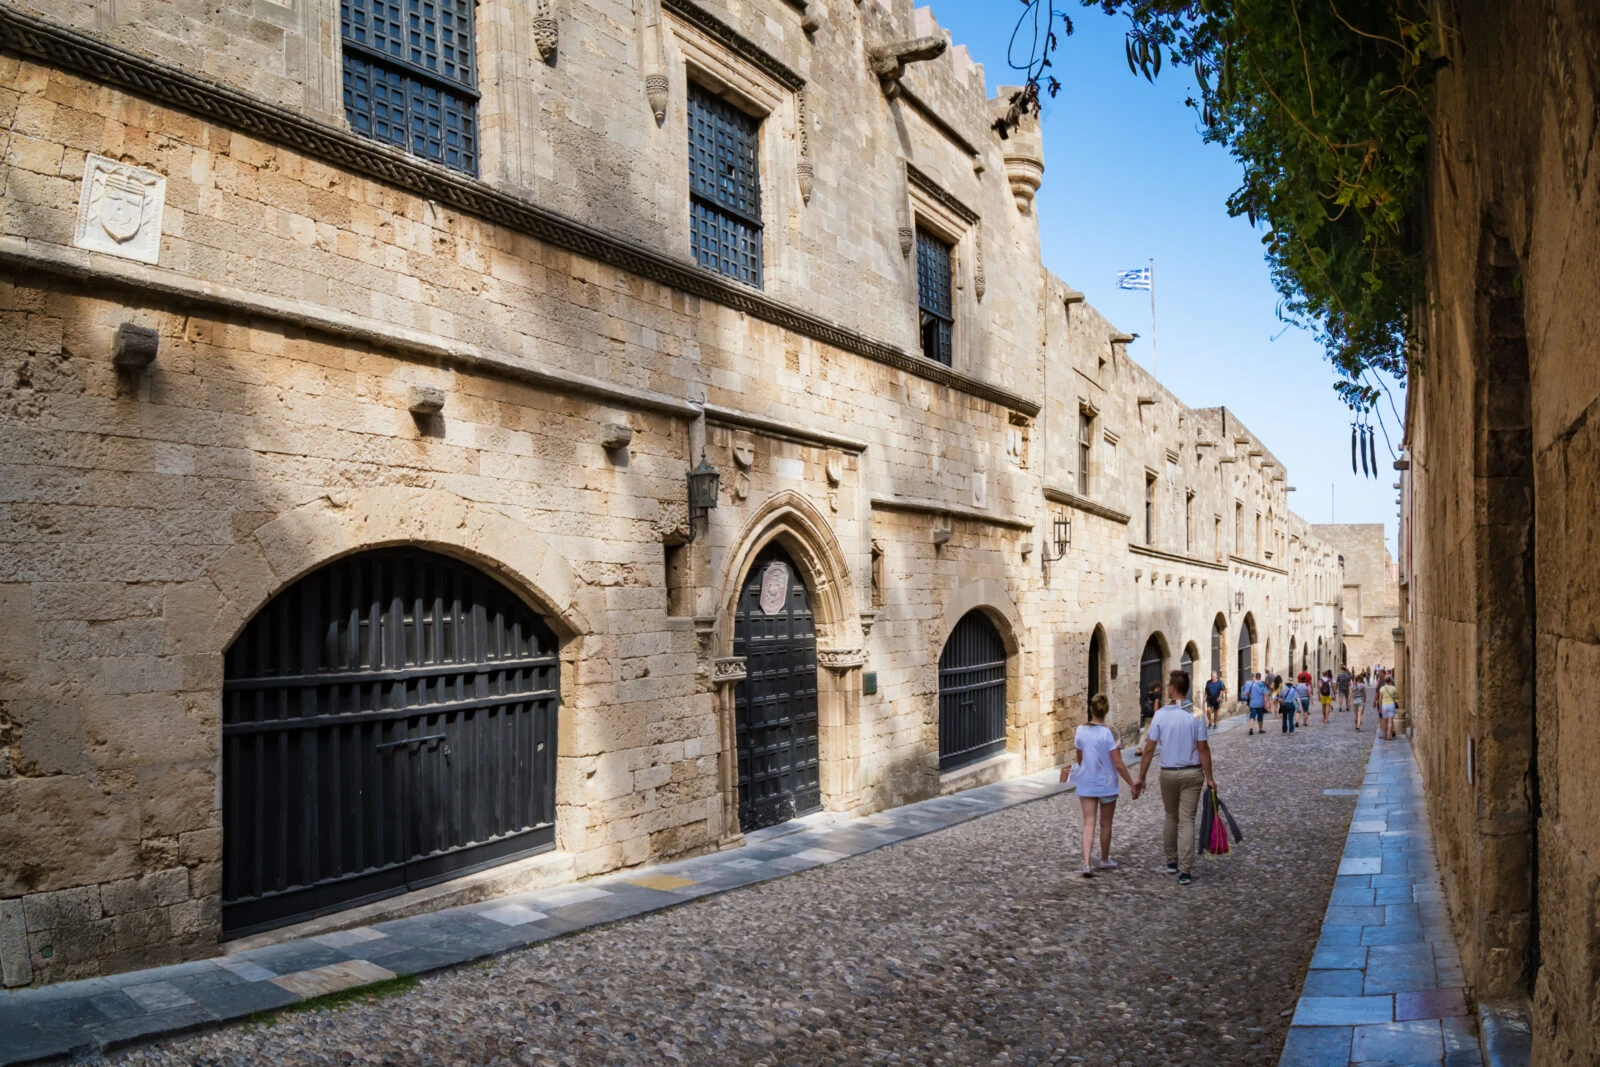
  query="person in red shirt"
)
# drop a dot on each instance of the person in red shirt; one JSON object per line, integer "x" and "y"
{"x": 1304, "y": 678}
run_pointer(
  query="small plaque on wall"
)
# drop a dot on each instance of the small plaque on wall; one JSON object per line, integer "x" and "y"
{"x": 869, "y": 683}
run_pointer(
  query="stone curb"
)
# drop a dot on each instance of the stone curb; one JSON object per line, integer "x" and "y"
{"x": 73, "y": 1020}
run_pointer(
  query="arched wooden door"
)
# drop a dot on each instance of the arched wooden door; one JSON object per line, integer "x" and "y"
{"x": 1097, "y": 658}
{"x": 775, "y": 707}
{"x": 1216, "y": 648}
{"x": 388, "y": 721}
{"x": 972, "y": 692}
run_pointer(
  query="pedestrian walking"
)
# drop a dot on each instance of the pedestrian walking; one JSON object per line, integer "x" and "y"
{"x": 1255, "y": 698}
{"x": 1216, "y": 689}
{"x": 1185, "y": 771}
{"x": 1304, "y": 677}
{"x": 1096, "y": 770}
{"x": 1325, "y": 693}
{"x": 1287, "y": 704}
{"x": 1386, "y": 704}
{"x": 1342, "y": 688}
{"x": 1358, "y": 697}
{"x": 1302, "y": 692}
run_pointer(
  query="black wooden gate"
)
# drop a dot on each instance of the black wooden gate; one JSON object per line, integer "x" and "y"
{"x": 972, "y": 692}
{"x": 1094, "y": 663}
{"x": 388, "y": 721}
{"x": 1244, "y": 656}
{"x": 775, "y": 707}
{"x": 1151, "y": 682}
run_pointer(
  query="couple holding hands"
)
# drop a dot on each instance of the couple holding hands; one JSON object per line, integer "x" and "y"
{"x": 1185, "y": 773}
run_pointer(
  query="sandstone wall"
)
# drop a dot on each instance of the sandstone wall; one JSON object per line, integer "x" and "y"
{"x": 1504, "y": 623}
{"x": 145, "y": 516}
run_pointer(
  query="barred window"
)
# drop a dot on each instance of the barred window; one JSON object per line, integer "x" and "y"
{"x": 724, "y": 187}
{"x": 409, "y": 77}
{"x": 933, "y": 296}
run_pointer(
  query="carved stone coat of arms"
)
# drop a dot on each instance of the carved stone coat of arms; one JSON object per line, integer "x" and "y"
{"x": 119, "y": 210}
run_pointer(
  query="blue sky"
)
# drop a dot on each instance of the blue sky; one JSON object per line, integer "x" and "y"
{"x": 1127, "y": 178}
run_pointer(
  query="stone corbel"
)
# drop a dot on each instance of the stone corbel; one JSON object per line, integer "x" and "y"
{"x": 838, "y": 659}
{"x": 655, "y": 79}
{"x": 889, "y": 60}
{"x": 546, "y": 31}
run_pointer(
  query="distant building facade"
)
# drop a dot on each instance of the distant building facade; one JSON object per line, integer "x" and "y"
{"x": 1369, "y": 594}
{"x": 554, "y": 440}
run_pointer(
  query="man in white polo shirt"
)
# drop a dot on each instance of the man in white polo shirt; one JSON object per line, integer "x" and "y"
{"x": 1185, "y": 768}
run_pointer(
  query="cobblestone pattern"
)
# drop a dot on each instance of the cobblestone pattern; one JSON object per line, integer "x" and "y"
{"x": 975, "y": 944}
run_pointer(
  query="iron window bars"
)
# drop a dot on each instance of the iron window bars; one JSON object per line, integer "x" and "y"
{"x": 410, "y": 78}
{"x": 933, "y": 296}
{"x": 724, "y": 187}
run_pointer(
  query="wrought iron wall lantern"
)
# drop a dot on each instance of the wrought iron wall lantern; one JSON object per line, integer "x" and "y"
{"x": 702, "y": 494}
{"x": 1061, "y": 533}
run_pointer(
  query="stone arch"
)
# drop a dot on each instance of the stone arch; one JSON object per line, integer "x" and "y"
{"x": 1099, "y": 665}
{"x": 1155, "y": 657}
{"x": 791, "y": 521}
{"x": 337, "y": 524}
{"x": 1219, "y": 641}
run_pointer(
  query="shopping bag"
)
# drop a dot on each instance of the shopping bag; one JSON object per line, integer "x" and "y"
{"x": 1233, "y": 827}
{"x": 1214, "y": 827}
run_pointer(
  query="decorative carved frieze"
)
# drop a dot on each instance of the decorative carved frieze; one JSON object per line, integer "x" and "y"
{"x": 730, "y": 669}
{"x": 979, "y": 283}
{"x": 840, "y": 659}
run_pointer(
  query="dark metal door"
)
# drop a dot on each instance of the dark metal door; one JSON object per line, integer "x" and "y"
{"x": 775, "y": 707}
{"x": 1244, "y": 656}
{"x": 972, "y": 692}
{"x": 1094, "y": 664}
{"x": 1150, "y": 680}
{"x": 389, "y": 721}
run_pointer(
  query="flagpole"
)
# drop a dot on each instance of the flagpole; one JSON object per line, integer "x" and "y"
{"x": 1153, "y": 371}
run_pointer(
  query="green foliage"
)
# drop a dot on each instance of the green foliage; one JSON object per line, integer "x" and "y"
{"x": 1324, "y": 103}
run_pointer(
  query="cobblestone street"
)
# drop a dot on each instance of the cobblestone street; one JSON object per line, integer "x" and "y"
{"x": 976, "y": 944}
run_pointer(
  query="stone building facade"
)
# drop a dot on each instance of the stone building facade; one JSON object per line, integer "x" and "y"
{"x": 1500, "y": 544}
{"x": 350, "y": 555}
{"x": 1369, "y": 600}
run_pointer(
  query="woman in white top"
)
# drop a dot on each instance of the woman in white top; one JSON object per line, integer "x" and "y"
{"x": 1099, "y": 765}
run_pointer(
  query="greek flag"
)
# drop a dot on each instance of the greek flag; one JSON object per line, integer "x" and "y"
{"x": 1134, "y": 279}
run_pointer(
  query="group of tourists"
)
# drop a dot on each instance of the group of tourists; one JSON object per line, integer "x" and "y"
{"x": 1185, "y": 772}
{"x": 1290, "y": 698}
{"x": 1185, "y": 751}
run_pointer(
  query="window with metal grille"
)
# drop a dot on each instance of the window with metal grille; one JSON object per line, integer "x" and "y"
{"x": 933, "y": 296}
{"x": 972, "y": 692}
{"x": 409, "y": 77}
{"x": 724, "y": 187}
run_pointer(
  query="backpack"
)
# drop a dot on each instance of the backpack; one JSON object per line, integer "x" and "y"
{"x": 1325, "y": 690}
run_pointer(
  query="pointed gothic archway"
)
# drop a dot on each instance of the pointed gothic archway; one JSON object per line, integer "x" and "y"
{"x": 821, "y": 624}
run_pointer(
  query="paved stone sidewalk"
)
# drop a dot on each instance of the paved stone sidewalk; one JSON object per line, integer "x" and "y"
{"x": 84, "y": 1017}
{"x": 1385, "y": 984}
